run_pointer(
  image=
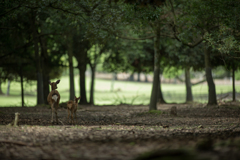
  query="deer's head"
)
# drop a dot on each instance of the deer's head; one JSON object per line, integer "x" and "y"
{"x": 77, "y": 99}
{"x": 54, "y": 84}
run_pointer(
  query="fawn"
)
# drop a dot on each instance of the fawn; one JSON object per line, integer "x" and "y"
{"x": 72, "y": 107}
{"x": 54, "y": 98}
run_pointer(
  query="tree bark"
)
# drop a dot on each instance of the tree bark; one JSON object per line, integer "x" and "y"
{"x": 131, "y": 77}
{"x": 45, "y": 87}
{"x": 138, "y": 77}
{"x": 189, "y": 96}
{"x": 71, "y": 73}
{"x": 80, "y": 49}
{"x": 82, "y": 70}
{"x": 22, "y": 89}
{"x": 160, "y": 94}
{"x": 1, "y": 92}
{"x": 113, "y": 81}
{"x": 233, "y": 83}
{"x": 212, "y": 98}
{"x": 93, "y": 68}
{"x": 37, "y": 59}
{"x": 45, "y": 69}
{"x": 8, "y": 87}
{"x": 155, "y": 86}
{"x": 146, "y": 78}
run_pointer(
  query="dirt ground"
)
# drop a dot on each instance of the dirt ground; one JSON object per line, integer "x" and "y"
{"x": 123, "y": 132}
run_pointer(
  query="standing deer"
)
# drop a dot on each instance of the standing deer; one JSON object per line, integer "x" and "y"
{"x": 54, "y": 98}
{"x": 72, "y": 107}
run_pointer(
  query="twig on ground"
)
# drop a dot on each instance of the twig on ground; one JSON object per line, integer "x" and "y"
{"x": 16, "y": 142}
{"x": 60, "y": 121}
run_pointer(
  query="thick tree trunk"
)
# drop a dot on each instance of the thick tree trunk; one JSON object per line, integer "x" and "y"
{"x": 92, "y": 85}
{"x": 82, "y": 70}
{"x": 160, "y": 94}
{"x": 212, "y": 98}
{"x": 233, "y": 83}
{"x": 155, "y": 86}
{"x": 45, "y": 87}
{"x": 189, "y": 96}
{"x": 71, "y": 73}
{"x": 40, "y": 99}
{"x": 45, "y": 69}
{"x": 80, "y": 49}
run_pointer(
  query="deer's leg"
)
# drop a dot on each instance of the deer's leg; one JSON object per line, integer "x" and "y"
{"x": 52, "y": 106}
{"x": 75, "y": 115}
{"x": 56, "y": 114}
{"x": 68, "y": 115}
{"x": 72, "y": 116}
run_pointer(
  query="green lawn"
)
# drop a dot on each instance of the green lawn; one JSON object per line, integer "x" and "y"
{"x": 123, "y": 92}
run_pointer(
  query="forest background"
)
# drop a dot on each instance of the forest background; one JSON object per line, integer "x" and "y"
{"x": 177, "y": 49}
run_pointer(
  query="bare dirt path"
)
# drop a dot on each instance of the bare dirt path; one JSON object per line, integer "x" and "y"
{"x": 123, "y": 132}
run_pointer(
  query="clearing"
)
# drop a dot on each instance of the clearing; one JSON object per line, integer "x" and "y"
{"x": 123, "y": 132}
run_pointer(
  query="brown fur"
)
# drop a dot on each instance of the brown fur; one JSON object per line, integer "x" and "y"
{"x": 72, "y": 107}
{"x": 54, "y": 104}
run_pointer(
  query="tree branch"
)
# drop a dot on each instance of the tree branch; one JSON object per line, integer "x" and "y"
{"x": 66, "y": 11}
{"x": 17, "y": 48}
{"x": 14, "y": 8}
{"x": 130, "y": 38}
{"x": 193, "y": 84}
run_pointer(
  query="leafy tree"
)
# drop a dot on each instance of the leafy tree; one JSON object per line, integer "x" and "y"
{"x": 197, "y": 19}
{"x": 151, "y": 19}
{"x": 183, "y": 57}
{"x": 29, "y": 25}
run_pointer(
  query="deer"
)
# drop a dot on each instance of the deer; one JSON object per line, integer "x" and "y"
{"x": 53, "y": 99}
{"x": 72, "y": 107}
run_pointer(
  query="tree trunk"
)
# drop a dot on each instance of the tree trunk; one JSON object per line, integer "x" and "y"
{"x": 189, "y": 96}
{"x": 115, "y": 76}
{"x": 146, "y": 78}
{"x": 8, "y": 87}
{"x": 45, "y": 87}
{"x": 45, "y": 68}
{"x": 233, "y": 83}
{"x": 82, "y": 70}
{"x": 212, "y": 98}
{"x": 155, "y": 86}
{"x": 22, "y": 89}
{"x": 37, "y": 60}
{"x": 160, "y": 94}
{"x": 131, "y": 78}
{"x": 92, "y": 85}
{"x": 1, "y": 92}
{"x": 80, "y": 49}
{"x": 138, "y": 77}
{"x": 71, "y": 73}
{"x": 113, "y": 80}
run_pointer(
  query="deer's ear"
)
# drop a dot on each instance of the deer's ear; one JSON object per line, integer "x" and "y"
{"x": 49, "y": 82}
{"x": 79, "y": 97}
{"x": 57, "y": 81}
{"x": 75, "y": 97}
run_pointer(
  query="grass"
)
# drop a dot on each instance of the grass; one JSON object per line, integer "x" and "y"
{"x": 123, "y": 92}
